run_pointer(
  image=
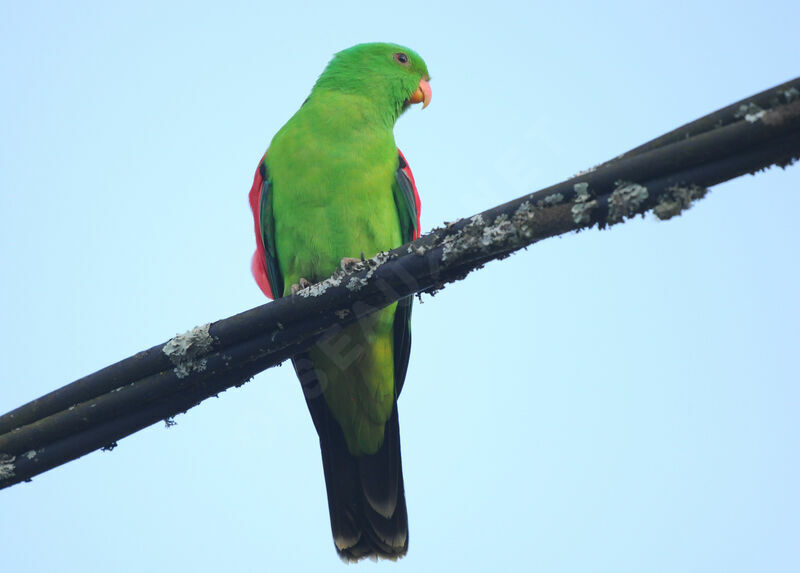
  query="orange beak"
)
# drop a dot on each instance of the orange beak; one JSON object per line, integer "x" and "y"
{"x": 422, "y": 95}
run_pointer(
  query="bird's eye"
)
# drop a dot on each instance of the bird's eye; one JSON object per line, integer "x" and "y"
{"x": 401, "y": 58}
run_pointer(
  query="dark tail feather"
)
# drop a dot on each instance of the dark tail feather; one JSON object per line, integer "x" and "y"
{"x": 366, "y": 500}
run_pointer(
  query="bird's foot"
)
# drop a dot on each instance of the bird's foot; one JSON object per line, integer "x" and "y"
{"x": 300, "y": 285}
{"x": 349, "y": 264}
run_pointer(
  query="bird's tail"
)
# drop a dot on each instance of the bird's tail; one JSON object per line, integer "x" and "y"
{"x": 366, "y": 500}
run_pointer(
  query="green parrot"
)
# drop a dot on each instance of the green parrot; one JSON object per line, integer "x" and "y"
{"x": 333, "y": 187}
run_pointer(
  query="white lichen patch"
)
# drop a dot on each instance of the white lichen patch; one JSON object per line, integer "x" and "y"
{"x": 676, "y": 199}
{"x": 754, "y": 117}
{"x": 582, "y": 209}
{"x": 479, "y": 236}
{"x": 791, "y": 94}
{"x": 582, "y": 194}
{"x": 625, "y": 200}
{"x": 7, "y": 466}
{"x": 750, "y": 112}
{"x": 553, "y": 199}
{"x": 418, "y": 250}
{"x": 523, "y": 217}
{"x": 319, "y": 288}
{"x": 186, "y": 350}
{"x": 30, "y": 454}
{"x": 582, "y": 212}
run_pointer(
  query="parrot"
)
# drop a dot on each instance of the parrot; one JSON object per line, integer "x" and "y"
{"x": 331, "y": 189}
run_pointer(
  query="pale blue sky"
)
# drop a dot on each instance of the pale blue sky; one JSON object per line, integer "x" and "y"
{"x": 618, "y": 401}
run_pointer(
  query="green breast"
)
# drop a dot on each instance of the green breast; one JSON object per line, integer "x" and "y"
{"x": 332, "y": 168}
{"x": 332, "y": 172}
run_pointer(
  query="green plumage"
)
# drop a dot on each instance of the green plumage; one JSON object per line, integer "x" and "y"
{"x": 333, "y": 194}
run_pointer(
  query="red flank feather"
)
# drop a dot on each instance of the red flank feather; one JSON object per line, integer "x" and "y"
{"x": 417, "y": 202}
{"x": 259, "y": 262}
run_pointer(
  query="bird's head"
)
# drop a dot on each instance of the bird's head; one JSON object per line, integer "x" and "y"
{"x": 391, "y": 76}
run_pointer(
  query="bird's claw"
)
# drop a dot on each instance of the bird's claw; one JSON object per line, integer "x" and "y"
{"x": 300, "y": 285}
{"x": 349, "y": 263}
